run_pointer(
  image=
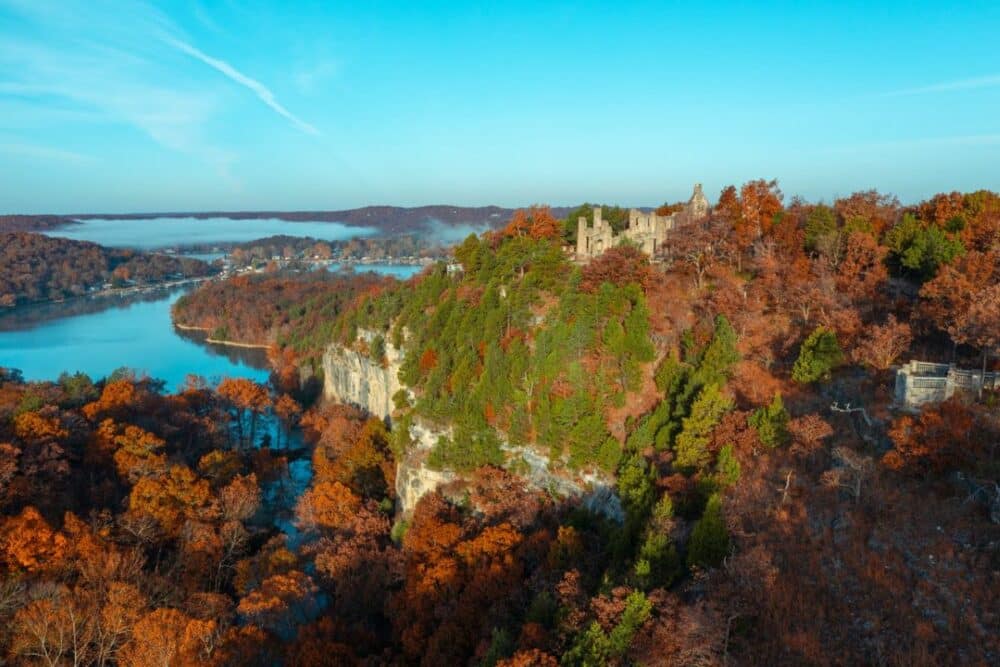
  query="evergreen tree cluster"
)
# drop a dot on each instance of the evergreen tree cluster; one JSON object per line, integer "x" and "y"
{"x": 694, "y": 402}
{"x": 511, "y": 349}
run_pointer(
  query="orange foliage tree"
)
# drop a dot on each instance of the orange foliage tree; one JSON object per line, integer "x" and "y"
{"x": 728, "y": 207}
{"x": 248, "y": 400}
{"x": 282, "y": 602}
{"x": 120, "y": 399}
{"x": 537, "y": 222}
{"x": 868, "y": 208}
{"x": 760, "y": 201}
{"x": 137, "y": 453}
{"x": 428, "y": 360}
{"x": 28, "y": 543}
{"x": 170, "y": 637}
{"x": 964, "y": 300}
{"x": 170, "y": 499}
{"x": 327, "y": 505}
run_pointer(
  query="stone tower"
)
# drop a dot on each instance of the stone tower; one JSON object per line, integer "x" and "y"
{"x": 595, "y": 239}
{"x": 698, "y": 204}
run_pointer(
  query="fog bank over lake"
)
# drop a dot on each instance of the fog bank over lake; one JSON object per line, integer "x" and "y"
{"x": 154, "y": 233}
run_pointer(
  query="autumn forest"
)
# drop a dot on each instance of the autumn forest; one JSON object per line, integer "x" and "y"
{"x": 692, "y": 458}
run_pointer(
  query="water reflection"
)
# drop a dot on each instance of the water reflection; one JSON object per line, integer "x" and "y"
{"x": 398, "y": 271}
{"x": 249, "y": 356}
{"x": 99, "y": 335}
{"x": 34, "y": 315}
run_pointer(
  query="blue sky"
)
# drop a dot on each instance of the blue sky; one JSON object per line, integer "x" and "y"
{"x": 110, "y": 106}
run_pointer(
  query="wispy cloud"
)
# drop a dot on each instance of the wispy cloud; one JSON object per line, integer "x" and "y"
{"x": 59, "y": 63}
{"x": 259, "y": 89}
{"x": 44, "y": 153}
{"x": 79, "y": 62}
{"x": 991, "y": 81}
{"x": 172, "y": 117}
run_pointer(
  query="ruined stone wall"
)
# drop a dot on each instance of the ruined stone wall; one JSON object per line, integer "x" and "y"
{"x": 592, "y": 240}
{"x": 919, "y": 383}
{"x": 648, "y": 231}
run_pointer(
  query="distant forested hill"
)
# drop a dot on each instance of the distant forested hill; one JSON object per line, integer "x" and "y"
{"x": 32, "y": 223}
{"x": 34, "y": 267}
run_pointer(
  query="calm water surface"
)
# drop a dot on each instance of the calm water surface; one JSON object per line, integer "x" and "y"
{"x": 172, "y": 232}
{"x": 99, "y": 335}
{"x": 399, "y": 271}
{"x": 44, "y": 341}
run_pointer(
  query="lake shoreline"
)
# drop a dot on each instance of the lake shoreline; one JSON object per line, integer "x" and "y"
{"x": 217, "y": 341}
{"x": 114, "y": 291}
{"x": 133, "y": 332}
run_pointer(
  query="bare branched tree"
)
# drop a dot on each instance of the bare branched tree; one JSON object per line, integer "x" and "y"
{"x": 851, "y": 472}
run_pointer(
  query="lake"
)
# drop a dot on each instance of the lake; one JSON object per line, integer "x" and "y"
{"x": 135, "y": 333}
{"x": 398, "y": 271}
{"x": 153, "y": 233}
{"x": 99, "y": 335}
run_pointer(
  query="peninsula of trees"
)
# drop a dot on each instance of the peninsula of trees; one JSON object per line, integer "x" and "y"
{"x": 42, "y": 268}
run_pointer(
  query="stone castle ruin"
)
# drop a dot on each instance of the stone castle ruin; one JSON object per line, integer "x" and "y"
{"x": 648, "y": 231}
{"x": 922, "y": 382}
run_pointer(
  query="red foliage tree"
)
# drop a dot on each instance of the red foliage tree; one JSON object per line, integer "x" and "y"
{"x": 621, "y": 265}
{"x": 883, "y": 344}
{"x": 939, "y": 438}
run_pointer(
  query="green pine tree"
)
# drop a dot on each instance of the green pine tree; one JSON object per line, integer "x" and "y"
{"x": 596, "y": 648}
{"x": 657, "y": 563}
{"x": 727, "y": 467}
{"x": 709, "y": 543}
{"x": 918, "y": 250}
{"x": 691, "y": 447}
{"x": 818, "y": 356}
{"x": 720, "y": 355}
{"x": 771, "y": 423}
{"x": 821, "y": 222}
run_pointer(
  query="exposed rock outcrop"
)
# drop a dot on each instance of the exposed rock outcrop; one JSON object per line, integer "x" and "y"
{"x": 595, "y": 491}
{"x": 355, "y": 378}
{"x": 414, "y": 477}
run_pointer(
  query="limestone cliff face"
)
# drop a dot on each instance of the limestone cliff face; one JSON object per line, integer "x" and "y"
{"x": 414, "y": 477}
{"x": 595, "y": 492}
{"x": 355, "y": 378}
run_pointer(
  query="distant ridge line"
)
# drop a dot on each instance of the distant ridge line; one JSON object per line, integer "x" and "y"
{"x": 387, "y": 219}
